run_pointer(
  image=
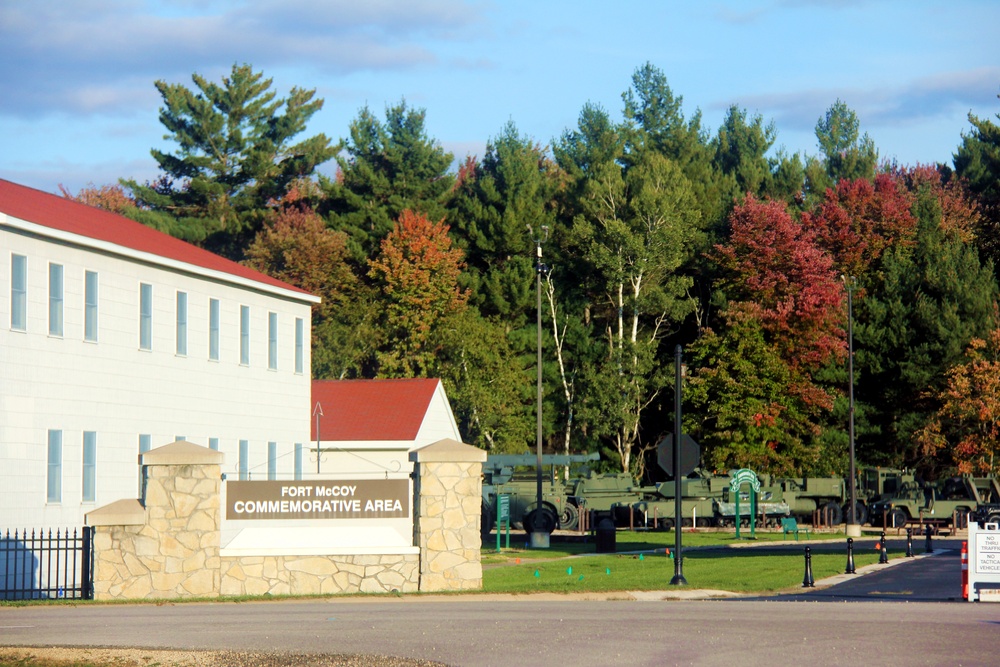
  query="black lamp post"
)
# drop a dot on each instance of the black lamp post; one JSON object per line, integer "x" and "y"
{"x": 678, "y": 579}
{"x": 853, "y": 529}
{"x": 539, "y": 536}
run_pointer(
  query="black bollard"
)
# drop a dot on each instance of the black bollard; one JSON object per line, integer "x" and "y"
{"x": 883, "y": 555}
{"x": 927, "y": 547}
{"x": 909, "y": 543}
{"x": 807, "y": 580}
{"x": 850, "y": 556}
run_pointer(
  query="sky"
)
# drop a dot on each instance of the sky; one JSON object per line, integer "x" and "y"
{"x": 78, "y": 105}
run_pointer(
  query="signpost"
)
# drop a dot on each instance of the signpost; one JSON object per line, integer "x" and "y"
{"x": 984, "y": 562}
{"x": 503, "y": 518}
{"x": 739, "y": 478}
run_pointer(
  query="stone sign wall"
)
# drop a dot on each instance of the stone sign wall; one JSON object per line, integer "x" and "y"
{"x": 168, "y": 545}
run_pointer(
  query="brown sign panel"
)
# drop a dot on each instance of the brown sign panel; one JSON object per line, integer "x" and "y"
{"x": 318, "y": 499}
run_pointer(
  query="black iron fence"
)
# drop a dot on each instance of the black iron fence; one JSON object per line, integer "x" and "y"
{"x": 47, "y": 564}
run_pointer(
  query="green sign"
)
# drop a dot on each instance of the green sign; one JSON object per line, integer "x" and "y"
{"x": 503, "y": 511}
{"x": 739, "y": 478}
{"x": 744, "y": 476}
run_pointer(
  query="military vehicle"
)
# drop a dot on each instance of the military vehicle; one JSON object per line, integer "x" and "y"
{"x": 515, "y": 476}
{"x": 873, "y": 484}
{"x": 938, "y": 501}
{"x": 988, "y": 508}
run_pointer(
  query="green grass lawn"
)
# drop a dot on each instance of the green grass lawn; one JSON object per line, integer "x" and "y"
{"x": 573, "y": 566}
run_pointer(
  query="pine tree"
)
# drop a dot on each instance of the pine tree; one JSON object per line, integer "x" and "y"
{"x": 235, "y": 156}
{"x": 386, "y": 168}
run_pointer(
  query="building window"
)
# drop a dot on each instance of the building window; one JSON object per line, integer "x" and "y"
{"x": 213, "y": 329}
{"x": 244, "y": 460}
{"x": 298, "y": 460}
{"x": 18, "y": 292}
{"x": 300, "y": 345}
{"x": 145, "y": 317}
{"x": 272, "y": 341}
{"x": 54, "y": 482}
{"x": 90, "y": 306}
{"x": 213, "y": 443}
{"x": 245, "y": 335}
{"x": 89, "y": 466}
{"x": 182, "y": 323}
{"x": 272, "y": 460}
{"x": 55, "y": 300}
{"x": 145, "y": 441}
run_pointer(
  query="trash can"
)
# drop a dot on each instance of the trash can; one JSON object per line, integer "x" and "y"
{"x": 605, "y": 536}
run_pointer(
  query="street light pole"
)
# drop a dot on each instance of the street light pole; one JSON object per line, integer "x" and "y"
{"x": 853, "y": 529}
{"x": 539, "y": 538}
{"x": 678, "y": 579}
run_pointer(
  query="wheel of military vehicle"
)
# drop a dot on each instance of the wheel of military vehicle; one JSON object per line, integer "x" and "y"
{"x": 832, "y": 513}
{"x": 665, "y": 524}
{"x": 569, "y": 517}
{"x": 897, "y": 518}
{"x": 704, "y": 522}
{"x": 860, "y": 512}
{"x": 993, "y": 518}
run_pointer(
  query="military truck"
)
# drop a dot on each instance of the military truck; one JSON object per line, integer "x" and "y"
{"x": 874, "y": 483}
{"x": 938, "y": 501}
{"x": 988, "y": 508}
{"x": 515, "y": 475}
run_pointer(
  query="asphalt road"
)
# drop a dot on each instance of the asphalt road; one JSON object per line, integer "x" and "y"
{"x": 906, "y": 613}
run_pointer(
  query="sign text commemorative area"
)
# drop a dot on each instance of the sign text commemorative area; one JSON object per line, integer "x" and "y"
{"x": 318, "y": 499}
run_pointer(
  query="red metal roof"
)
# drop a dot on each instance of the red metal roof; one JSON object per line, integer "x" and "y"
{"x": 66, "y": 215}
{"x": 362, "y": 410}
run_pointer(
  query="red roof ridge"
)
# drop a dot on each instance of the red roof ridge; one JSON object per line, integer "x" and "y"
{"x": 66, "y": 215}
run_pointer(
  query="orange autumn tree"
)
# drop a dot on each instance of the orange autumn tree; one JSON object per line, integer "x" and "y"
{"x": 969, "y": 418}
{"x": 417, "y": 273}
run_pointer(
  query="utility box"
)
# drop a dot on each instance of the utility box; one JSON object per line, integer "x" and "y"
{"x": 984, "y": 562}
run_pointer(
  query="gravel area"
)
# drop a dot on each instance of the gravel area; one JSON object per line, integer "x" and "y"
{"x": 138, "y": 657}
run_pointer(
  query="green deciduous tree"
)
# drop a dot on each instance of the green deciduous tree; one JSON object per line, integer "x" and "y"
{"x": 485, "y": 383}
{"x": 639, "y": 228}
{"x": 234, "y": 156}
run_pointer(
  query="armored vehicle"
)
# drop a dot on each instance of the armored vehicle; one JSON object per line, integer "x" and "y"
{"x": 938, "y": 501}
{"x": 515, "y": 476}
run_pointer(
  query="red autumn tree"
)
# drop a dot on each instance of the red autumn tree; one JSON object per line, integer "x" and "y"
{"x": 969, "y": 418}
{"x": 779, "y": 275}
{"x": 417, "y": 271}
{"x": 858, "y": 220}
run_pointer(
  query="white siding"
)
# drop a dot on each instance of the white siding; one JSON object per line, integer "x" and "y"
{"x": 119, "y": 391}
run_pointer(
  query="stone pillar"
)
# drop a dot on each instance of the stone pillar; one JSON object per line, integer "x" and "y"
{"x": 167, "y": 547}
{"x": 447, "y": 514}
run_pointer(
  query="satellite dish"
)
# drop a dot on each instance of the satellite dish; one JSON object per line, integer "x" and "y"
{"x": 690, "y": 454}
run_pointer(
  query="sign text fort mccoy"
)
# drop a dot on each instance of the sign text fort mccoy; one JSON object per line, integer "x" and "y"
{"x": 318, "y": 499}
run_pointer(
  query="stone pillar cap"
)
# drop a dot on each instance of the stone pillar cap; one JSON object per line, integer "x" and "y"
{"x": 181, "y": 452}
{"x": 128, "y": 512}
{"x": 448, "y": 450}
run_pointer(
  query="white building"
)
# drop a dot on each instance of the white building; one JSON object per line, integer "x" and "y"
{"x": 115, "y": 339}
{"x": 366, "y": 428}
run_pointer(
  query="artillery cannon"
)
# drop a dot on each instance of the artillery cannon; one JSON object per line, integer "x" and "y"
{"x": 501, "y": 477}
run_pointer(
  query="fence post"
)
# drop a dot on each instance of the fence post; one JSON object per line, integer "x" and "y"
{"x": 87, "y": 567}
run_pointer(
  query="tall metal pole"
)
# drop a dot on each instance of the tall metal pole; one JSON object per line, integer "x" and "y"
{"x": 538, "y": 365}
{"x": 853, "y": 529}
{"x": 678, "y": 579}
{"x": 318, "y": 412}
